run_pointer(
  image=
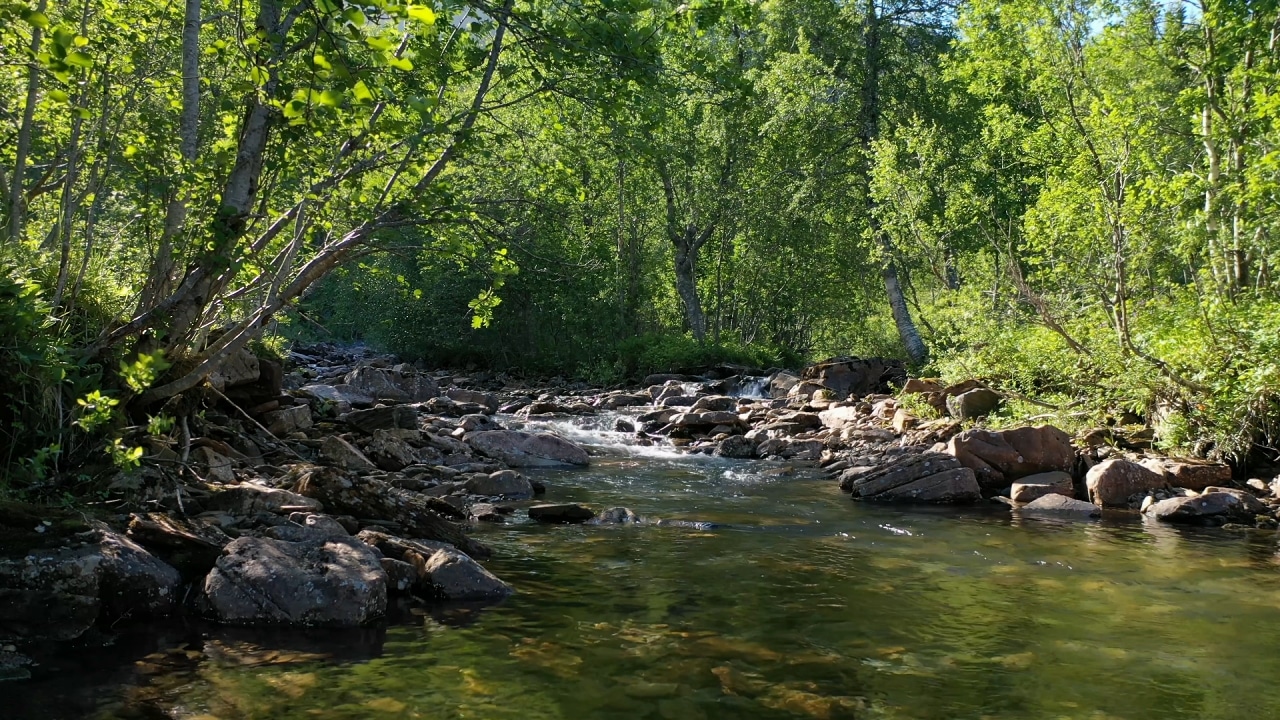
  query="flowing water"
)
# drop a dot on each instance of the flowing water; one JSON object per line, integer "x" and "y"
{"x": 801, "y": 604}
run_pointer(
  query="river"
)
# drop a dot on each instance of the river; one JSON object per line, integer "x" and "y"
{"x": 800, "y": 604}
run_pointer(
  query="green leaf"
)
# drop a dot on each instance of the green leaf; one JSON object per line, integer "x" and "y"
{"x": 330, "y": 98}
{"x": 361, "y": 92}
{"x": 321, "y": 62}
{"x": 37, "y": 19}
{"x": 400, "y": 63}
{"x": 59, "y": 95}
{"x": 79, "y": 59}
{"x": 379, "y": 43}
{"x": 355, "y": 17}
{"x": 422, "y": 14}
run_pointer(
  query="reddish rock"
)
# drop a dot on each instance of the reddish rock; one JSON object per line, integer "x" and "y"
{"x": 1190, "y": 474}
{"x": 1037, "y": 486}
{"x": 998, "y": 458}
{"x": 1112, "y": 482}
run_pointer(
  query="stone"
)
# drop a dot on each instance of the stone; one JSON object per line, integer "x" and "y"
{"x": 334, "y": 399}
{"x": 1190, "y": 474}
{"x": 718, "y": 417}
{"x": 48, "y": 595}
{"x": 240, "y": 368}
{"x": 616, "y": 516}
{"x": 780, "y": 383}
{"x": 521, "y": 449}
{"x": 442, "y": 570}
{"x": 561, "y": 513}
{"x": 343, "y": 454}
{"x": 803, "y": 450}
{"x": 973, "y": 404}
{"x": 488, "y": 400}
{"x": 287, "y": 420}
{"x": 736, "y": 446}
{"x": 454, "y": 576}
{"x": 1036, "y": 486}
{"x": 924, "y": 477}
{"x": 218, "y": 467}
{"x": 998, "y": 458}
{"x": 331, "y": 582}
{"x": 486, "y": 512}
{"x": 389, "y": 452}
{"x": 1112, "y": 482}
{"x": 716, "y": 403}
{"x": 392, "y": 385}
{"x": 903, "y": 420}
{"x": 838, "y": 418}
{"x": 504, "y": 483}
{"x": 401, "y": 576}
{"x": 1207, "y": 508}
{"x": 132, "y": 582}
{"x": 251, "y": 499}
{"x": 920, "y": 385}
{"x": 382, "y": 418}
{"x": 853, "y": 377}
{"x": 613, "y": 402}
{"x": 419, "y": 515}
{"x": 1061, "y": 505}
{"x": 189, "y": 546}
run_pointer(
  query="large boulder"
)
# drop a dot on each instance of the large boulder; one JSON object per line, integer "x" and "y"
{"x": 251, "y": 499}
{"x": 1212, "y": 508}
{"x": 851, "y": 376}
{"x": 1000, "y": 457}
{"x": 241, "y": 368}
{"x": 1190, "y": 474}
{"x": 462, "y": 395}
{"x": 389, "y": 451}
{"x": 838, "y": 418}
{"x": 505, "y": 483}
{"x": 332, "y": 582}
{"x": 59, "y": 594}
{"x": 382, "y": 418}
{"x": 391, "y": 384}
{"x": 343, "y": 454}
{"x": 926, "y": 477}
{"x": 736, "y": 446}
{"x": 189, "y": 546}
{"x": 1036, "y": 486}
{"x": 1112, "y": 482}
{"x": 521, "y": 449}
{"x": 973, "y": 403}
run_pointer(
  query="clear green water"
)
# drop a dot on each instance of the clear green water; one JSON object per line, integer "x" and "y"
{"x": 805, "y": 606}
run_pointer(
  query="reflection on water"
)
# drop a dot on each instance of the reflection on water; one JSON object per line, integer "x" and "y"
{"x": 804, "y": 605}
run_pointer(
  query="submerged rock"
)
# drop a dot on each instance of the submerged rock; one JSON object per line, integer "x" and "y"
{"x": 561, "y": 513}
{"x": 1213, "y": 507}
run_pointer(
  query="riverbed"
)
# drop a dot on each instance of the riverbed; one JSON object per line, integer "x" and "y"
{"x": 799, "y": 603}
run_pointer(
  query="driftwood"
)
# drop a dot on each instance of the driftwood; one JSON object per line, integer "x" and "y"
{"x": 370, "y": 497}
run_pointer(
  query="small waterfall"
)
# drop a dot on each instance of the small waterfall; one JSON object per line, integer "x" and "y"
{"x": 752, "y": 387}
{"x": 597, "y": 431}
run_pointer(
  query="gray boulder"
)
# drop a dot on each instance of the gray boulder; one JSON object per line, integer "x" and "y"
{"x": 441, "y": 570}
{"x": 343, "y": 454}
{"x": 521, "y": 449}
{"x": 505, "y": 483}
{"x": 331, "y": 582}
{"x": 927, "y": 477}
{"x": 973, "y": 404}
{"x": 736, "y": 446}
{"x": 1208, "y": 508}
{"x": 1061, "y": 505}
{"x": 392, "y": 384}
{"x": 462, "y": 395}
{"x": 382, "y": 418}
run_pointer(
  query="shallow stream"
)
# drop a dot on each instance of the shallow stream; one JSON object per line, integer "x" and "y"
{"x": 802, "y": 604}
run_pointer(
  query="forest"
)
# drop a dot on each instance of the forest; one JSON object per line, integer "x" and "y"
{"x": 1072, "y": 200}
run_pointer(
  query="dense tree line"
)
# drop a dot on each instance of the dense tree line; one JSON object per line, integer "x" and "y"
{"x": 1074, "y": 200}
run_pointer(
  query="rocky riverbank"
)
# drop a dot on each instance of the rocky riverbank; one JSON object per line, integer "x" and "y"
{"x": 318, "y": 493}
